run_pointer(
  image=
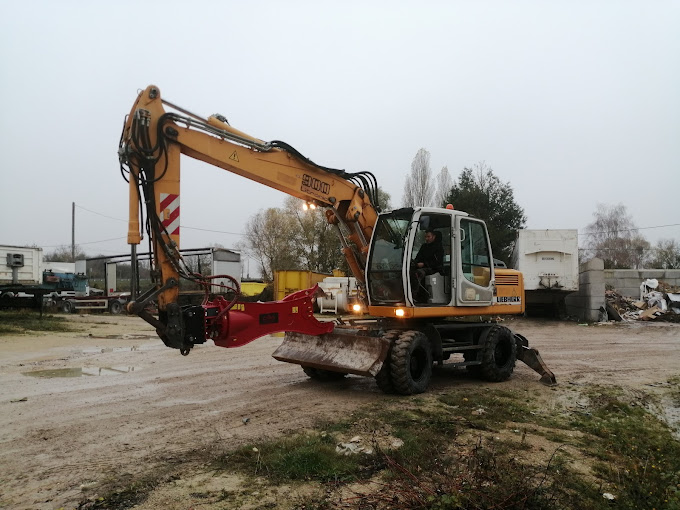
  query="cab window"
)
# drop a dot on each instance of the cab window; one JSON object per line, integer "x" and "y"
{"x": 475, "y": 257}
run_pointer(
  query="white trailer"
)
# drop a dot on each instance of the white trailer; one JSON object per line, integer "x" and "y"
{"x": 548, "y": 260}
{"x": 20, "y": 265}
{"x": 224, "y": 261}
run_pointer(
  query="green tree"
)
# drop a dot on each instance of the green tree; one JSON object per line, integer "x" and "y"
{"x": 384, "y": 200}
{"x": 480, "y": 193}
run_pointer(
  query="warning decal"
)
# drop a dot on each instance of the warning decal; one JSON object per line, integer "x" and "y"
{"x": 170, "y": 213}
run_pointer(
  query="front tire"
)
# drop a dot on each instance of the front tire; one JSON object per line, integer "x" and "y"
{"x": 411, "y": 363}
{"x": 384, "y": 377}
{"x": 498, "y": 355}
{"x": 66, "y": 307}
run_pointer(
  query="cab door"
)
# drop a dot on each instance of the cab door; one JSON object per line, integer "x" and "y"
{"x": 475, "y": 280}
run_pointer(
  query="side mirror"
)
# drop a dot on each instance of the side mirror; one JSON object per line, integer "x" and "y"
{"x": 424, "y": 223}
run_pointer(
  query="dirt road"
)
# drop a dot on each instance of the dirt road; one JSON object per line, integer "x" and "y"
{"x": 76, "y": 408}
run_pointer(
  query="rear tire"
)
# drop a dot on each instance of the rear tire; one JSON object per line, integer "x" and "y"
{"x": 498, "y": 355}
{"x": 411, "y": 363}
{"x": 384, "y": 377}
{"x": 115, "y": 307}
{"x": 319, "y": 374}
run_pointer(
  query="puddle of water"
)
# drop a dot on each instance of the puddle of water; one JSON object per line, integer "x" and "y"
{"x": 79, "y": 372}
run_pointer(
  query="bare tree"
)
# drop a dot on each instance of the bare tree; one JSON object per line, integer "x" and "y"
{"x": 315, "y": 240}
{"x": 63, "y": 253}
{"x": 444, "y": 185}
{"x": 269, "y": 240}
{"x": 419, "y": 188}
{"x": 666, "y": 254}
{"x": 613, "y": 237}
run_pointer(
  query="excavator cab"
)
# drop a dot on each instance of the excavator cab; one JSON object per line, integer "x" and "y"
{"x": 462, "y": 275}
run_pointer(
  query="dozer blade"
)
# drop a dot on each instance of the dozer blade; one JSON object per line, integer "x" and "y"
{"x": 533, "y": 359}
{"x": 338, "y": 352}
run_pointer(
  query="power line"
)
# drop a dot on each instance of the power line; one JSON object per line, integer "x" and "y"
{"x": 99, "y": 214}
{"x": 628, "y": 229}
{"x": 216, "y": 231}
{"x": 89, "y": 242}
{"x": 637, "y": 250}
{"x": 181, "y": 226}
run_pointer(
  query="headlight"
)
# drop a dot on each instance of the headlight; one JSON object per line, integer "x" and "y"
{"x": 356, "y": 308}
{"x": 399, "y": 312}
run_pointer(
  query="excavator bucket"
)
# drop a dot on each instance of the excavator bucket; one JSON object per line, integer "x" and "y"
{"x": 339, "y": 352}
{"x": 533, "y": 359}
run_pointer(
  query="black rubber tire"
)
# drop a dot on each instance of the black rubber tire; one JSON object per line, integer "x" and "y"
{"x": 384, "y": 377}
{"x": 66, "y": 307}
{"x": 411, "y": 363}
{"x": 115, "y": 307}
{"x": 498, "y": 355}
{"x": 319, "y": 374}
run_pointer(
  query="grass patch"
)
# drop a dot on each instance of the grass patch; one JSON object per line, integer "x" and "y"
{"x": 304, "y": 457}
{"x": 486, "y": 449}
{"x": 27, "y": 321}
{"x": 640, "y": 457}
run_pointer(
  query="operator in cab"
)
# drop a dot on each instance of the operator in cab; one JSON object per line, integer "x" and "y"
{"x": 429, "y": 260}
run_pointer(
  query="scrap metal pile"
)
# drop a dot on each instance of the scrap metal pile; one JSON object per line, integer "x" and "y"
{"x": 658, "y": 301}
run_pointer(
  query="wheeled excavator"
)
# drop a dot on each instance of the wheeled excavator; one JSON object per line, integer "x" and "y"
{"x": 409, "y": 323}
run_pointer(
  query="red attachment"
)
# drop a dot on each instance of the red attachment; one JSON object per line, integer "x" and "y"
{"x": 241, "y": 323}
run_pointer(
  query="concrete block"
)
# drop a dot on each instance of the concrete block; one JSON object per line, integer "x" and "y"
{"x": 591, "y": 277}
{"x": 594, "y": 277}
{"x": 624, "y": 273}
{"x": 630, "y": 283}
{"x": 591, "y": 315}
{"x": 672, "y": 274}
{"x": 592, "y": 289}
{"x": 592, "y": 265}
{"x": 652, "y": 273}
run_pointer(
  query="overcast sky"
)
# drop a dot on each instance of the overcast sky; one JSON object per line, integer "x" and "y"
{"x": 573, "y": 103}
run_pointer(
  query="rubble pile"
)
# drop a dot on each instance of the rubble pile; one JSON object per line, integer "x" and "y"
{"x": 658, "y": 301}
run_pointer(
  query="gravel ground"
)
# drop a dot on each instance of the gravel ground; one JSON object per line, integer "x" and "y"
{"x": 111, "y": 399}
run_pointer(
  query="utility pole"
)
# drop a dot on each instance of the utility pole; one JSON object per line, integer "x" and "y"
{"x": 73, "y": 231}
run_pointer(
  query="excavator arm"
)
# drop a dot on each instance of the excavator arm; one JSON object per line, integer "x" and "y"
{"x": 149, "y": 151}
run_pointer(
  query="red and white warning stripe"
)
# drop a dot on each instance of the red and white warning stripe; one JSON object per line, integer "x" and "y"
{"x": 170, "y": 212}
